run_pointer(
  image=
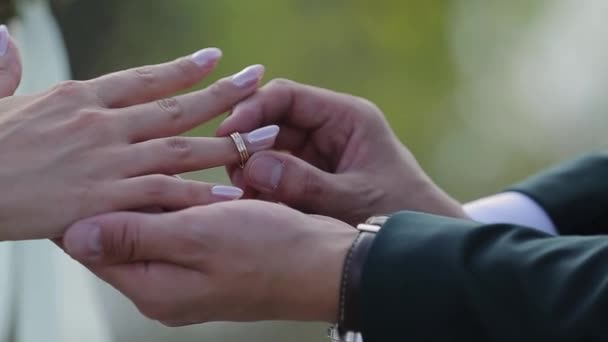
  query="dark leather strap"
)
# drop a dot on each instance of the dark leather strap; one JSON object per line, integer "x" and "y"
{"x": 350, "y": 306}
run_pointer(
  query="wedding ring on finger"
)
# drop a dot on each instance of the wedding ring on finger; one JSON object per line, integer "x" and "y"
{"x": 241, "y": 148}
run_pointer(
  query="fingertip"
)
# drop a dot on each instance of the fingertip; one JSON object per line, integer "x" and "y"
{"x": 248, "y": 77}
{"x": 262, "y": 138}
{"x": 236, "y": 177}
{"x": 206, "y": 57}
{"x": 224, "y": 192}
{"x": 83, "y": 241}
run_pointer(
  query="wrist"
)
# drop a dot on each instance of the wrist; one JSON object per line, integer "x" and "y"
{"x": 310, "y": 290}
{"x": 330, "y": 303}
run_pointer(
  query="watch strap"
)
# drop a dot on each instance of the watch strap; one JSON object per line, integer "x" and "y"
{"x": 349, "y": 322}
{"x": 350, "y": 307}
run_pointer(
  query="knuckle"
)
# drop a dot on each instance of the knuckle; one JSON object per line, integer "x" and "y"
{"x": 121, "y": 242}
{"x": 311, "y": 186}
{"x": 91, "y": 117}
{"x": 145, "y": 75}
{"x": 179, "y": 147}
{"x": 307, "y": 190}
{"x": 172, "y": 107}
{"x": 280, "y": 83}
{"x": 71, "y": 89}
{"x": 368, "y": 108}
{"x": 157, "y": 187}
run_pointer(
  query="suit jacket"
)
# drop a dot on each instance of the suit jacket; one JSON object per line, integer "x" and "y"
{"x": 432, "y": 278}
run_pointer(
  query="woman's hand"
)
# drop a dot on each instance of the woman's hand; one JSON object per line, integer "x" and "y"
{"x": 232, "y": 261}
{"x": 89, "y": 147}
{"x": 343, "y": 159}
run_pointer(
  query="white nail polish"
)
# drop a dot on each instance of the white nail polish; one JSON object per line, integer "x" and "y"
{"x": 4, "y": 40}
{"x": 262, "y": 138}
{"x": 207, "y": 56}
{"x": 227, "y": 192}
{"x": 249, "y": 76}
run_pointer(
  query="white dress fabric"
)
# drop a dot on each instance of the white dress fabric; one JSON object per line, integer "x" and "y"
{"x": 44, "y": 295}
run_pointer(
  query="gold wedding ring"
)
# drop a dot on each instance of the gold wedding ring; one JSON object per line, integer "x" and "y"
{"x": 241, "y": 148}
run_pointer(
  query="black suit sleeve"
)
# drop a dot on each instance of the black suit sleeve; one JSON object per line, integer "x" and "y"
{"x": 430, "y": 278}
{"x": 574, "y": 195}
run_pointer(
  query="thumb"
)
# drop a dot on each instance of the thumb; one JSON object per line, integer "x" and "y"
{"x": 293, "y": 181}
{"x": 10, "y": 64}
{"x": 124, "y": 237}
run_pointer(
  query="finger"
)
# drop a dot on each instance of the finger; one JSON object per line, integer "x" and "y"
{"x": 292, "y": 139}
{"x": 183, "y": 154}
{"x": 10, "y": 64}
{"x": 238, "y": 179}
{"x": 151, "y": 286}
{"x": 126, "y": 237}
{"x": 292, "y": 181}
{"x": 166, "y": 192}
{"x": 282, "y": 101}
{"x": 148, "y": 83}
{"x": 174, "y": 116}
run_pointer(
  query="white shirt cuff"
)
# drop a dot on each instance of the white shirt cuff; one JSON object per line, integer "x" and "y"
{"x": 512, "y": 208}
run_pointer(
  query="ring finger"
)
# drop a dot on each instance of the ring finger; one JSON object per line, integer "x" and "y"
{"x": 183, "y": 154}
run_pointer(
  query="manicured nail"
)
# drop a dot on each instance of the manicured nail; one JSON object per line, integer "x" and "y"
{"x": 206, "y": 57}
{"x": 266, "y": 172}
{"x": 249, "y": 76}
{"x": 227, "y": 192}
{"x": 262, "y": 138}
{"x": 4, "y": 40}
{"x": 83, "y": 241}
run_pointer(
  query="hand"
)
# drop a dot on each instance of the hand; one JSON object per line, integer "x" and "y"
{"x": 343, "y": 159}
{"x": 84, "y": 148}
{"x": 231, "y": 261}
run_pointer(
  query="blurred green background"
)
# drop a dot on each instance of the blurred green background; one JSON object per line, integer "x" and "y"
{"x": 442, "y": 71}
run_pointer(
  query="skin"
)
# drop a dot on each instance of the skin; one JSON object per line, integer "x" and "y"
{"x": 108, "y": 144}
{"x": 254, "y": 260}
{"x": 338, "y": 155}
{"x": 235, "y": 261}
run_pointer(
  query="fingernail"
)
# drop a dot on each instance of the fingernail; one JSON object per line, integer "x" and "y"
{"x": 266, "y": 172}
{"x": 249, "y": 76}
{"x": 83, "y": 241}
{"x": 206, "y": 56}
{"x": 4, "y": 40}
{"x": 227, "y": 192}
{"x": 262, "y": 138}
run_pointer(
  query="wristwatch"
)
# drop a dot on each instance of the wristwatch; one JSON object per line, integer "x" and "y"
{"x": 349, "y": 325}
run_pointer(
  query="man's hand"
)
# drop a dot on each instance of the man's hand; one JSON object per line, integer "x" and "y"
{"x": 108, "y": 144}
{"x": 343, "y": 160}
{"x": 231, "y": 261}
